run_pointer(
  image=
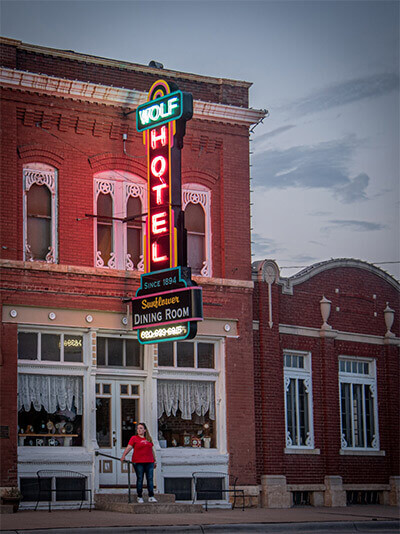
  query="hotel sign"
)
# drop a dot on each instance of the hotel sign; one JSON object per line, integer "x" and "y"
{"x": 167, "y": 306}
{"x": 168, "y": 303}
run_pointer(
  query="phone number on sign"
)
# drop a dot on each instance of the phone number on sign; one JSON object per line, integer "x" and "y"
{"x": 163, "y": 332}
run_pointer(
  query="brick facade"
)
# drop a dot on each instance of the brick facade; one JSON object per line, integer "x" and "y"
{"x": 80, "y": 137}
{"x": 358, "y": 294}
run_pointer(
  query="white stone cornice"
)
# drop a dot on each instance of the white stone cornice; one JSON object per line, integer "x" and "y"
{"x": 118, "y": 96}
{"x": 337, "y": 334}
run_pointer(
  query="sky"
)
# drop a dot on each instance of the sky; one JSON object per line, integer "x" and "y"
{"x": 325, "y": 161}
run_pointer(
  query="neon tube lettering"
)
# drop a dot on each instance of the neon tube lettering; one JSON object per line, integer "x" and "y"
{"x": 162, "y": 137}
{"x": 154, "y": 254}
{"x": 161, "y": 162}
{"x": 159, "y": 223}
{"x": 157, "y": 189}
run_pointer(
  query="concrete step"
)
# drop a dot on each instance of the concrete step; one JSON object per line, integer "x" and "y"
{"x": 100, "y": 498}
{"x": 6, "y": 509}
{"x": 149, "y": 508}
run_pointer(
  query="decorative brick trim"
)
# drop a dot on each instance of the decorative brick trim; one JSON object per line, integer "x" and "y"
{"x": 39, "y": 154}
{"x": 109, "y": 161}
{"x": 199, "y": 177}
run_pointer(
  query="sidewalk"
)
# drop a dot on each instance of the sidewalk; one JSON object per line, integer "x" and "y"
{"x": 71, "y": 521}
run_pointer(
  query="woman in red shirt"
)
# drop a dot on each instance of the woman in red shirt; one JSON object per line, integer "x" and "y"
{"x": 143, "y": 459}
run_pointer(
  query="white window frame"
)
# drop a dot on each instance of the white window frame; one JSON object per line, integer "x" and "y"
{"x": 305, "y": 374}
{"x": 370, "y": 380}
{"x": 47, "y": 176}
{"x": 215, "y": 375}
{"x": 198, "y": 194}
{"x": 120, "y": 185}
{"x": 60, "y": 333}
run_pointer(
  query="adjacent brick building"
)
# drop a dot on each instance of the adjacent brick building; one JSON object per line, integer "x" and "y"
{"x": 327, "y": 383}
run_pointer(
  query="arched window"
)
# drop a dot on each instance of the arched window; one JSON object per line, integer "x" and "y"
{"x": 104, "y": 226}
{"x": 40, "y": 202}
{"x": 134, "y": 232}
{"x": 196, "y": 236}
{"x": 196, "y": 201}
{"x": 120, "y": 199}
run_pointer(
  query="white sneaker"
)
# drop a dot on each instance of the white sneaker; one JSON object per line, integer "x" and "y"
{"x": 140, "y": 500}
{"x": 152, "y": 499}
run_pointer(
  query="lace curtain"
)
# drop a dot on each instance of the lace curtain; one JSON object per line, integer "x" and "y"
{"x": 51, "y": 392}
{"x": 188, "y": 396}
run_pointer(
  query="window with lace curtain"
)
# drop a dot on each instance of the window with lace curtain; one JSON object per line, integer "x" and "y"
{"x": 186, "y": 408}
{"x": 50, "y": 406}
{"x": 40, "y": 212}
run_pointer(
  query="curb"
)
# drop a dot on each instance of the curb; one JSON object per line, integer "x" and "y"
{"x": 334, "y": 526}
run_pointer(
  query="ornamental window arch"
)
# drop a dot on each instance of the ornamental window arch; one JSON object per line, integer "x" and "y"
{"x": 120, "y": 200}
{"x": 196, "y": 203}
{"x": 40, "y": 212}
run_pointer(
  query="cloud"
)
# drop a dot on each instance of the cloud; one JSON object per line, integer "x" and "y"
{"x": 274, "y": 133}
{"x": 321, "y": 166}
{"x": 353, "y": 225}
{"x": 346, "y": 92}
{"x": 264, "y": 247}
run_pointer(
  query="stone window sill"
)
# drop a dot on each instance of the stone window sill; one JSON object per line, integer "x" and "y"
{"x": 302, "y": 451}
{"x": 345, "y": 452}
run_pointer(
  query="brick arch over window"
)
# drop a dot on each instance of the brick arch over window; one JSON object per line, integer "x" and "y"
{"x": 196, "y": 202}
{"x": 37, "y": 153}
{"x": 199, "y": 177}
{"x": 118, "y": 242}
{"x": 107, "y": 161}
{"x": 40, "y": 213}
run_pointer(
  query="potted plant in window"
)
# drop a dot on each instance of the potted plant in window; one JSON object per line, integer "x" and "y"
{"x": 12, "y": 496}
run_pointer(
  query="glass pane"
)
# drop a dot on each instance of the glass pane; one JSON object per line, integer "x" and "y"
{"x": 39, "y": 200}
{"x": 129, "y": 413}
{"x": 27, "y": 346}
{"x": 166, "y": 354}
{"x": 103, "y": 422}
{"x": 369, "y": 416}
{"x": 63, "y": 428}
{"x": 104, "y": 205}
{"x": 73, "y": 348}
{"x": 51, "y": 347}
{"x": 135, "y": 390}
{"x": 115, "y": 348}
{"x": 185, "y": 354}
{"x": 104, "y": 235}
{"x": 134, "y": 237}
{"x": 291, "y": 411}
{"x": 358, "y": 415}
{"x": 303, "y": 413}
{"x": 39, "y": 240}
{"x": 196, "y": 255}
{"x": 97, "y": 388}
{"x": 133, "y": 352}
{"x": 124, "y": 389}
{"x": 205, "y": 355}
{"x": 346, "y": 413}
{"x": 101, "y": 351}
{"x": 195, "y": 218}
{"x": 106, "y": 389}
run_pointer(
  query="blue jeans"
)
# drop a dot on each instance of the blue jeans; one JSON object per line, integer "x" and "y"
{"x": 140, "y": 470}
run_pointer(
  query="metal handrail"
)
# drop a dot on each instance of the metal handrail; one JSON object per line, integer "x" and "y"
{"x": 97, "y": 453}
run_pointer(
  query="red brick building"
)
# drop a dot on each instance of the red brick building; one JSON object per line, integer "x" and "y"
{"x": 327, "y": 384}
{"x": 74, "y": 379}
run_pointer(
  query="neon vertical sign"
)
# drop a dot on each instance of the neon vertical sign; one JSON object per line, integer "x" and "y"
{"x": 162, "y": 120}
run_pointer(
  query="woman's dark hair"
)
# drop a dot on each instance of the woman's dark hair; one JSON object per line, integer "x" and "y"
{"x": 146, "y": 432}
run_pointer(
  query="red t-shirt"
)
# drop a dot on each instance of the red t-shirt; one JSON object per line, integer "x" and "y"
{"x": 142, "y": 450}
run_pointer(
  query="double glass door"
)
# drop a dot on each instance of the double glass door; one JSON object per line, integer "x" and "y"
{"x": 117, "y": 413}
